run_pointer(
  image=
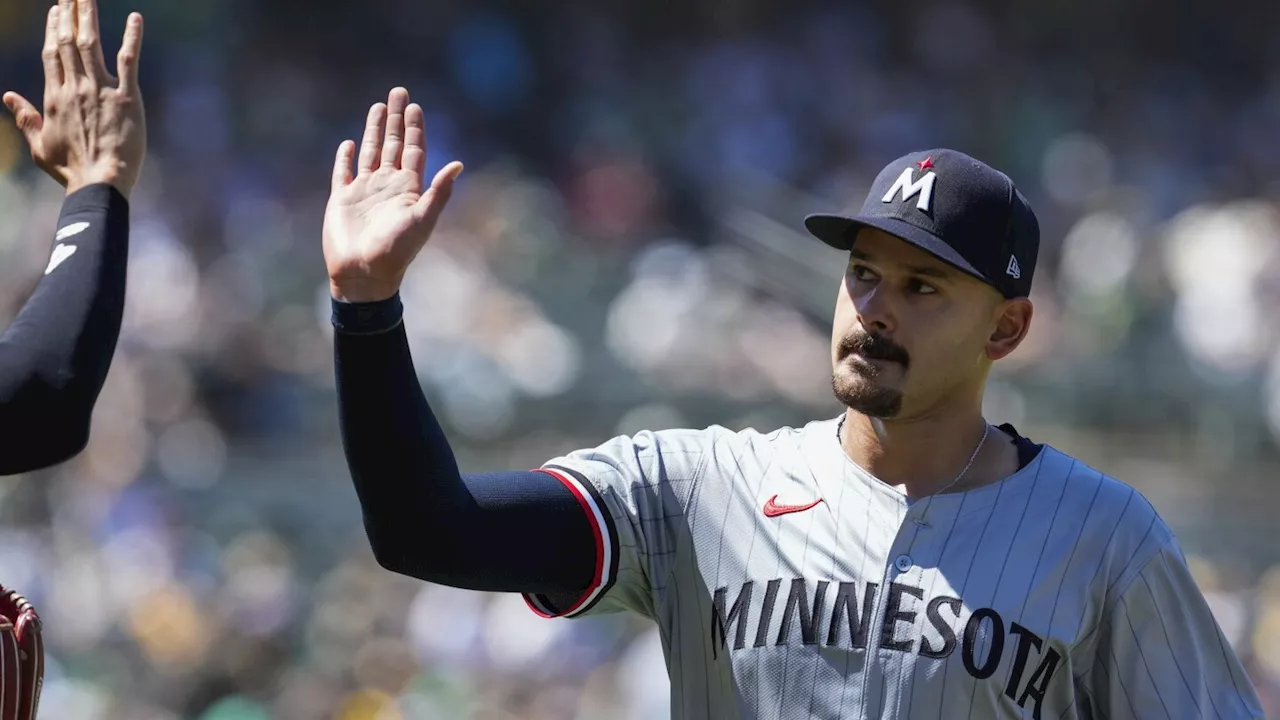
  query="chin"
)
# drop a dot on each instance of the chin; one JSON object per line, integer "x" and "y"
{"x": 865, "y": 396}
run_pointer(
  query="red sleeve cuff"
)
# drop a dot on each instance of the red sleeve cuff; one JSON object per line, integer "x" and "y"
{"x": 606, "y": 540}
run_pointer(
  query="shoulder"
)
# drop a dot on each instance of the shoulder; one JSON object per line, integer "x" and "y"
{"x": 732, "y": 453}
{"x": 710, "y": 439}
{"x": 678, "y": 445}
{"x": 1115, "y": 520}
{"x": 646, "y": 457}
{"x": 783, "y": 439}
{"x": 686, "y": 453}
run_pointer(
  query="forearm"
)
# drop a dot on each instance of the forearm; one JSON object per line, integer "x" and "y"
{"x": 515, "y": 532}
{"x": 55, "y": 356}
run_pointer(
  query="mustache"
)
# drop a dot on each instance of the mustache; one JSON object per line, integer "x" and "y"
{"x": 874, "y": 347}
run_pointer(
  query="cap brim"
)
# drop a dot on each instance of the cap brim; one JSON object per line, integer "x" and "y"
{"x": 839, "y": 231}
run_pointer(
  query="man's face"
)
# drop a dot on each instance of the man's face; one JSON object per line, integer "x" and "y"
{"x": 911, "y": 331}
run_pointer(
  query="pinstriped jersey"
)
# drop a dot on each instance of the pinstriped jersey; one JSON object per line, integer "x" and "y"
{"x": 788, "y": 582}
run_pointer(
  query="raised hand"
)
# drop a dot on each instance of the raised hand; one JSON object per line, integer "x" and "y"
{"x": 378, "y": 219}
{"x": 93, "y": 129}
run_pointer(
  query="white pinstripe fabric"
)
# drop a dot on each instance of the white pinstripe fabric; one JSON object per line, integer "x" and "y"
{"x": 1056, "y": 593}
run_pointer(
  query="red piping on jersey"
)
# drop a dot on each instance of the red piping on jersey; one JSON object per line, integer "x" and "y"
{"x": 773, "y": 509}
{"x": 599, "y": 536}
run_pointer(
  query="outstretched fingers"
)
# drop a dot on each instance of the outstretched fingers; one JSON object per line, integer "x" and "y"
{"x": 49, "y": 54}
{"x": 88, "y": 42}
{"x": 371, "y": 145}
{"x": 342, "y": 164}
{"x": 72, "y": 68}
{"x": 130, "y": 52}
{"x": 393, "y": 144}
{"x": 414, "y": 157}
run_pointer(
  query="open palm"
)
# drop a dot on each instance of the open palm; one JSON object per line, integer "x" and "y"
{"x": 379, "y": 218}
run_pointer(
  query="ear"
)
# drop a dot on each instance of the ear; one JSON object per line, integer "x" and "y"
{"x": 1013, "y": 320}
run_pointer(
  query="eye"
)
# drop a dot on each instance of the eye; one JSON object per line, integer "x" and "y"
{"x": 862, "y": 272}
{"x": 921, "y": 287}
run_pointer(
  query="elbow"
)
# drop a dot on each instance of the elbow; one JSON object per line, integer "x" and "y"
{"x": 412, "y": 555}
{"x": 72, "y": 443}
{"x": 394, "y": 553}
{"x": 38, "y": 453}
{"x": 65, "y": 431}
{"x": 388, "y": 557}
{"x": 44, "y": 437}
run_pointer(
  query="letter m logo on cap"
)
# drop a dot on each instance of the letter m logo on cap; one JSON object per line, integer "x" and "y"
{"x": 907, "y": 187}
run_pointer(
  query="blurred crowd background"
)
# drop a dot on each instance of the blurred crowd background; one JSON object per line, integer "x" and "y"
{"x": 625, "y": 250}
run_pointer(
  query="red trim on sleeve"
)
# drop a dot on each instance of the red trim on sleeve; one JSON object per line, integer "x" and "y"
{"x": 600, "y": 553}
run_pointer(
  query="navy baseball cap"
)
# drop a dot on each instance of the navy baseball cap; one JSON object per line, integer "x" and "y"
{"x": 954, "y": 207}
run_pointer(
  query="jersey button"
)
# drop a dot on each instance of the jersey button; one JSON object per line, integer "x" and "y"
{"x": 903, "y": 563}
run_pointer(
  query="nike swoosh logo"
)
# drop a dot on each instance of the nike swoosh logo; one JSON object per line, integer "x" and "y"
{"x": 773, "y": 509}
{"x": 60, "y": 254}
{"x": 72, "y": 229}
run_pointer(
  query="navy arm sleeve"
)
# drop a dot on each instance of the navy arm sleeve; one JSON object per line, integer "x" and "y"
{"x": 55, "y": 356}
{"x": 508, "y": 532}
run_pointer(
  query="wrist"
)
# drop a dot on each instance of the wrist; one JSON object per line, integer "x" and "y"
{"x": 367, "y": 318}
{"x": 110, "y": 178}
{"x": 362, "y": 291}
{"x": 95, "y": 197}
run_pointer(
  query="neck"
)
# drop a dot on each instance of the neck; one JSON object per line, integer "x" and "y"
{"x": 922, "y": 455}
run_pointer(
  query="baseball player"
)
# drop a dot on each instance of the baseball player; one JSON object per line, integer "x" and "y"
{"x": 907, "y": 559}
{"x": 55, "y": 356}
{"x": 91, "y": 139}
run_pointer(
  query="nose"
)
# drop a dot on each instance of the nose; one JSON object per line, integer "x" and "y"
{"x": 876, "y": 311}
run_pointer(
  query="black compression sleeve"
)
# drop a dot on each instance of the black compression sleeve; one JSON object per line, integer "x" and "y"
{"x": 55, "y": 356}
{"x": 513, "y": 532}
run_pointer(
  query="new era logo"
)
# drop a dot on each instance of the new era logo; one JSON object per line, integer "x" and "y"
{"x": 1013, "y": 270}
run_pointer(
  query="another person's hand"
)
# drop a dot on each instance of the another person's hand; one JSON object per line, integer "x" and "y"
{"x": 378, "y": 219}
{"x": 93, "y": 129}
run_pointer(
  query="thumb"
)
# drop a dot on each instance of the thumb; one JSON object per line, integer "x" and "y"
{"x": 25, "y": 114}
{"x": 432, "y": 202}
